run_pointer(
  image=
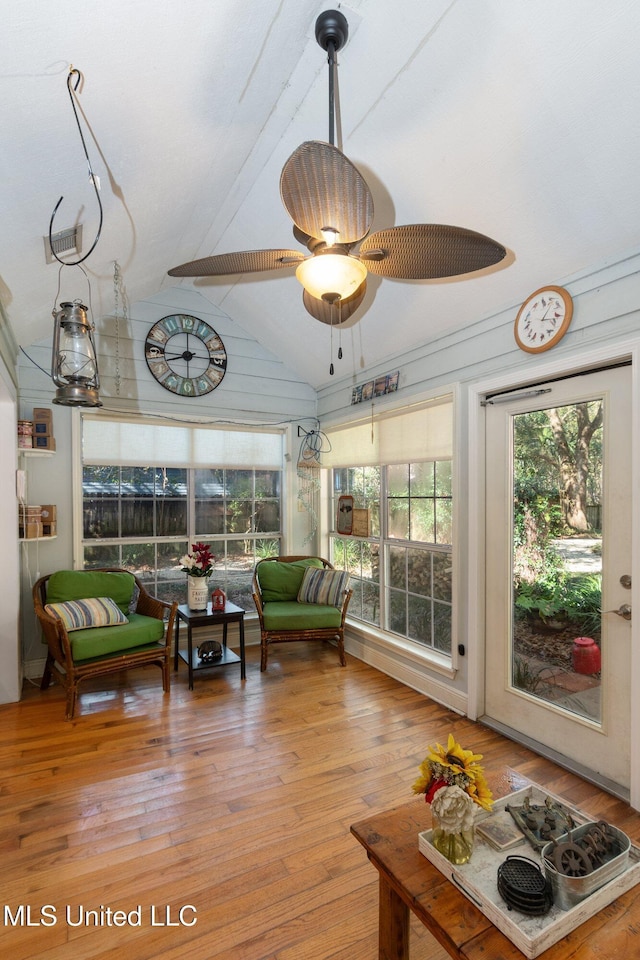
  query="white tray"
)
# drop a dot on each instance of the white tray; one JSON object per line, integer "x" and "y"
{"x": 477, "y": 880}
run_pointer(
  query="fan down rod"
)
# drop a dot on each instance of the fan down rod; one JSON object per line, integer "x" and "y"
{"x": 332, "y": 31}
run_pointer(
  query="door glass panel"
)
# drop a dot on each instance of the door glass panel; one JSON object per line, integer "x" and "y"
{"x": 557, "y": 543}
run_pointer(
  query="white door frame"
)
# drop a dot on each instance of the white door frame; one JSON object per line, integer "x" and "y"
{"x": 518, "y": 380}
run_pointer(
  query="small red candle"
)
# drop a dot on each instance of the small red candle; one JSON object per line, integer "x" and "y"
{"x": 218, "y": 599}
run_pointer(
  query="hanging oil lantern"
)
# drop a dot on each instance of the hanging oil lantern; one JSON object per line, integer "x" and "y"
{"x": 74, "y": 367}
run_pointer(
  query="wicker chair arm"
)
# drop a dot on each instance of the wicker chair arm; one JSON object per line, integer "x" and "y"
{"x": 53, "y": 629}
{"x": 257, "y": 599}
{"x": 345, "y": 604}
{"x": 150, "y": 606}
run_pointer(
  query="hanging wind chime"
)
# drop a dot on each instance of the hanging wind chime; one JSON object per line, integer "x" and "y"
{"x": 308, "y": 472}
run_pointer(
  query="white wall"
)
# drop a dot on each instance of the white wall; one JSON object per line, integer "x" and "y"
{"x": 11, "y": 673}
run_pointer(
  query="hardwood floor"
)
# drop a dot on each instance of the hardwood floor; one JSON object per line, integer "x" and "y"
{"x": 232, "y": 802}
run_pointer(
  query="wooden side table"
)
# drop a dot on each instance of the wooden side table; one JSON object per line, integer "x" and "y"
{"x": 203, "y": 618}
{"x": 410, "y": 882}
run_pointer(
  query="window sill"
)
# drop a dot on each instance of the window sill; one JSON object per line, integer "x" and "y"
{"x": 434, "y": 661}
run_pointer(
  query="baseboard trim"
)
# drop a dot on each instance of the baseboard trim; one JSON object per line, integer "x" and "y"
{"x": 393, "y": 665}
{"x": 567, "y": 763}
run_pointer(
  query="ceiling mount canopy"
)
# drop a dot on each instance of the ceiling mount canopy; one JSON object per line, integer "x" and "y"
{"x": 331, "y": 207}
{"x": 332, "y": 30}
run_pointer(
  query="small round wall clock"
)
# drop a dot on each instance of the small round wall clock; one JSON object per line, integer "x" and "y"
{"x": 185, "y": 355}
{"x": 543, "y": 319}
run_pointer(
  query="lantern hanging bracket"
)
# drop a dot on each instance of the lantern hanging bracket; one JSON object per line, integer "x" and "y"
{"x": 78, "y": 76}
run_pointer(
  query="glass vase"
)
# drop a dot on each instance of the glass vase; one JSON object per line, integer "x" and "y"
{"x": 456, "y": 847}
{"x": 197, "y": 592}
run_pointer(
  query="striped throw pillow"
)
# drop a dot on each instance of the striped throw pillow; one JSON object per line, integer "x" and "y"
{"x": 81, "y": 614}
{"x": 323, "y": 586}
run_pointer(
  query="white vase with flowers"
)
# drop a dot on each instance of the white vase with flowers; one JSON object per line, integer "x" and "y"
{"x": 198, "y": 565}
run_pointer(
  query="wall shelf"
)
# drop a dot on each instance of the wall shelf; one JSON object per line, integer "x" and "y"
{"x": 23, "y": 495}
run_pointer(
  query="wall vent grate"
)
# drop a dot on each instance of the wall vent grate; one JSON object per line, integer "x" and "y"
{"x": 65, "y": 241}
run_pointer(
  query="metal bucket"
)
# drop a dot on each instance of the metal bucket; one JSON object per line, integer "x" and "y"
{"x": 568, "y": 891}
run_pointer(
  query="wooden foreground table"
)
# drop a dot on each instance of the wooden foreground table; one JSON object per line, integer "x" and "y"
{"x": 408, "y": 881}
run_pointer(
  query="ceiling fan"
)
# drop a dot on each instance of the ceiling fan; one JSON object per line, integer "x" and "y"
{"x": 332, "y": 211}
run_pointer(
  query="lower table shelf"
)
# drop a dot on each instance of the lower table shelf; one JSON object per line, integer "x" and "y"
{"x": 228, "y": 656}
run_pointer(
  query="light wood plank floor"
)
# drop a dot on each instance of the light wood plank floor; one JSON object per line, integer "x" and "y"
{"x": 235, "y": 799}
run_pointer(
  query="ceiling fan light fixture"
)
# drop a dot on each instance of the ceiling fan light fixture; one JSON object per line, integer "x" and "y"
{"x": 330, "y": 275}
{"x": 330, "y": 236}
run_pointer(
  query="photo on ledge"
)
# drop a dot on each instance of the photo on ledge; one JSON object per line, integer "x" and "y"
{"x": 388, "y": 383}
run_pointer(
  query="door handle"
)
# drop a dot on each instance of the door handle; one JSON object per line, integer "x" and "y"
{"x": 624, "y": 611}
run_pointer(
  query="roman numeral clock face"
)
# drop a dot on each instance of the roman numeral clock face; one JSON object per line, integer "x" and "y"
{"x": 185, "y": 355}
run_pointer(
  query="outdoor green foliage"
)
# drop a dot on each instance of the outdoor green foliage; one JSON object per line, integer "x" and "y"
{"x": 584, "y": 603}
{"x": 557, "y": 470}
{"x": 265, "y": 549}
{"x": 573, "y": 599}
{"x": 525, "y": 677}
{"x": 419, "y": 501}
{"x": 417, "y": 513}
{"x": 558, "y": 456}
{"x": 137, "y": 518}
{"x": 535, "y": 522}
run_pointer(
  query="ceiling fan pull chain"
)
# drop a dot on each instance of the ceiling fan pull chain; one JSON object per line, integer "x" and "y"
{"x": 331, "y": 342}
{"x": 340, "y": 330}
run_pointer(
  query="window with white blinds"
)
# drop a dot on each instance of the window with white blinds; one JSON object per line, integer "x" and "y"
{"x": 415, "y": 433}
{"x": 151, "y": 443}
{"x": 395, "y": 470}
{"x": 152, "y": 488}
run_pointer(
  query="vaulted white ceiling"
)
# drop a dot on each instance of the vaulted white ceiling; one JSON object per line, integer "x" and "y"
{"x": 519, "y": 120}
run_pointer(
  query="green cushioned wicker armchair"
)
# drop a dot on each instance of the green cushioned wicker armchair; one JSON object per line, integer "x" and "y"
{"x": 300, "y": 598}
{"x": 98, "y": 622}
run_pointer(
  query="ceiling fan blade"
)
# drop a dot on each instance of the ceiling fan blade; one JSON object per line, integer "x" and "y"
{"x": 320, "y": 188}
{"x": 337, "y": 313}
{"x": 302, "y": 237}
{"x": 427, "y": 251}
{"x": 246, "y": 261}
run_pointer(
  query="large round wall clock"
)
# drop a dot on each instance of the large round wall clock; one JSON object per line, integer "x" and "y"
{"x": 185, "y": 355}
{"x": 543, "y": 319}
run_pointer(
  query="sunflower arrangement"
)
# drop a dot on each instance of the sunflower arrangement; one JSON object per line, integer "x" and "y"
{"x": 453, "y": 781}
